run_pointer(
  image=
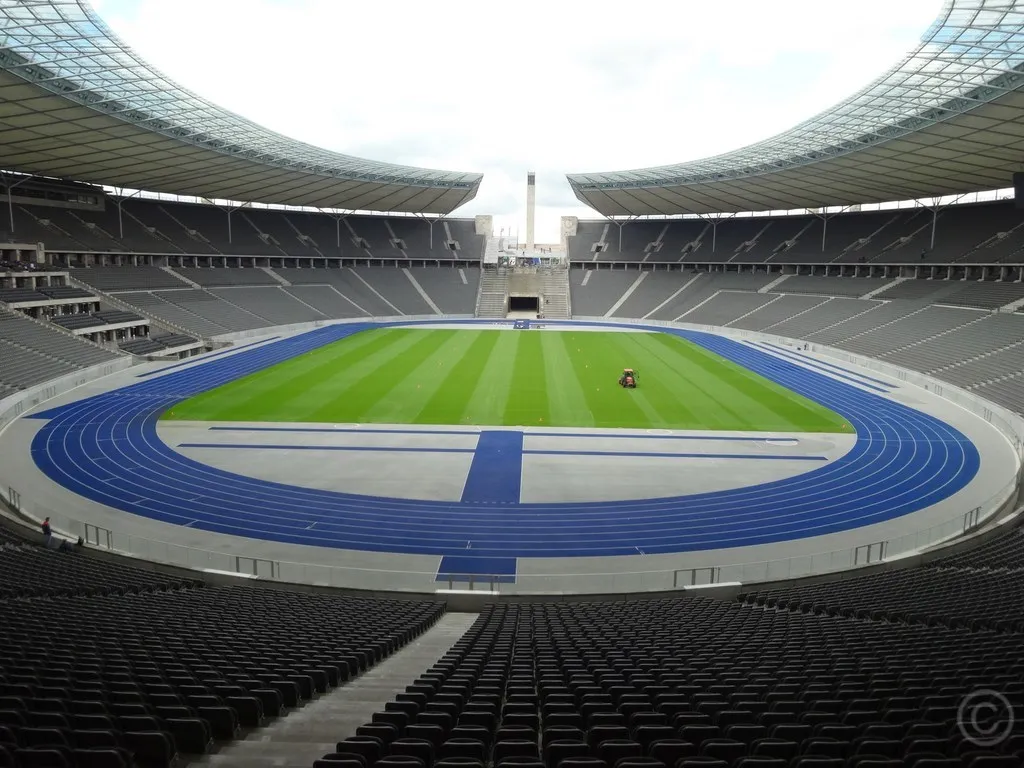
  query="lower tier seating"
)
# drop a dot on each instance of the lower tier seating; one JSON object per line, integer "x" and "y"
{"x": 695, "y": 683}
{"x": 141, "y": 678}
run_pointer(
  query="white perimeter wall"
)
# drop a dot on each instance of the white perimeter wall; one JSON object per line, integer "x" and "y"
{"x": 15, "y": 405}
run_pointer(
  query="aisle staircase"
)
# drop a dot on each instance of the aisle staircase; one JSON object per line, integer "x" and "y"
{"x": 314, "y": 729}
{"x": 554, "y": 290}
{"x": 492, "y": 297}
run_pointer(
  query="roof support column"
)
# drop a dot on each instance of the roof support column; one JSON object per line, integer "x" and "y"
{"x": 228, "y": 209}
{"x": 935, "y": 206}
{"x": 824, "y": 215}
{"x": 119, "y": 201}
{"x": 714, "y": 219}
{"x": 620, "y": 225}
{"x": 10, "y": 202}
{"x": 430, "y": 224}
{"x": 935, "y": 221}
{"x": 338, "y": 218}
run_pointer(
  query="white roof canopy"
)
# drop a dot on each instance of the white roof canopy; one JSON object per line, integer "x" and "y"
{"x": 948, "y": 119}
{"x": 77, "y": 103}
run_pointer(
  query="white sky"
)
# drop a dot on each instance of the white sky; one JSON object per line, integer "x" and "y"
{"x": 503, "y": 88}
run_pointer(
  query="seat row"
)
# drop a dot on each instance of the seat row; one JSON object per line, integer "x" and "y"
{"x": 694, "y": 681}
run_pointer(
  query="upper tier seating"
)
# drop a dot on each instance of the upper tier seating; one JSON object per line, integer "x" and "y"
{"x": 114, "y": 279}
{"x": 165, "y": 227}
{"x": 979, "y": 233}
{"x": 692, "y": 683}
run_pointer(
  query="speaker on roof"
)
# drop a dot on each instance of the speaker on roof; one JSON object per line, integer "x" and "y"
{"x": 1018, "y": 189}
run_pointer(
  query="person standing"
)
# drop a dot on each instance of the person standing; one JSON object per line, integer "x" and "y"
{"x": 46, "y": 529}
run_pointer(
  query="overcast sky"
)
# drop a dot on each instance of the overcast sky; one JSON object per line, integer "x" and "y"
{"x": 502, "y": 88}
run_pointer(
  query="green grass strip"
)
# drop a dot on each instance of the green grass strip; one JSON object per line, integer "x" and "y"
{"x": 513, "y": 378}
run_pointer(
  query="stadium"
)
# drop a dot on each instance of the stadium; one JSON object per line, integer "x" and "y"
{"x": 300, "y": 467}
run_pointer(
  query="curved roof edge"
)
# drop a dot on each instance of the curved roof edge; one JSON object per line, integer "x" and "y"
{"x": 970, "y": 58}
{"x": 64, "y": 49}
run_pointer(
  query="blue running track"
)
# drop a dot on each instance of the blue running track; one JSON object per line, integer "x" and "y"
{"x": 106, "y": 448}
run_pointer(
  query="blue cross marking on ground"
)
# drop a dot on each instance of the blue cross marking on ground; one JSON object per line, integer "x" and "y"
{"x": 497, "y": 469}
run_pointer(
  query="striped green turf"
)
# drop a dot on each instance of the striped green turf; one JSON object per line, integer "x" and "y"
{"x": 513, "y": 378}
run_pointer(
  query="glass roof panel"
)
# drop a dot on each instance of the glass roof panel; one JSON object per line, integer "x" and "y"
{"x": 973, "y": 53}
{"x": 63, "y": 46}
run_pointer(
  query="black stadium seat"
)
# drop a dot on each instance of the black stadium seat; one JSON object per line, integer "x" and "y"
{"x": 108, "y": 665}
{"x": 702, "y": 683}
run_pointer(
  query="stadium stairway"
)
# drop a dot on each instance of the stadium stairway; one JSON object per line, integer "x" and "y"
{"x": 492, "y": 300}
{"x": 554, "y": 285}
{"x": 308, "y": 733}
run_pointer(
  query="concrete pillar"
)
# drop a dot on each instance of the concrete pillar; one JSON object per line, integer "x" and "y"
{"x": 531, "y": 205}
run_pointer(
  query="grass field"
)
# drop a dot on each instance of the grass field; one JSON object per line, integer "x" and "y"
{"x": 512, "y": 378}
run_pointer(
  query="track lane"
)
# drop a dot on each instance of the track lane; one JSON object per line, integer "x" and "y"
{"x": 106, "y": 448}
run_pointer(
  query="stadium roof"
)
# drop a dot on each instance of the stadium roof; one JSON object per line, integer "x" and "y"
{"x": 77, "y": 103}
{"x": 947, "y": 119}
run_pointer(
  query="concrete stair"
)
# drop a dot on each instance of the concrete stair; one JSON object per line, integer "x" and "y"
{"x": 492, "y": 296}
{"x": 312, "y": 731}
{"x": 554, "y": 287}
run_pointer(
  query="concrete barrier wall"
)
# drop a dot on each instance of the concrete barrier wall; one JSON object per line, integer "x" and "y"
{"x": 288, "y": 330}
{"x": 13, "y": 406}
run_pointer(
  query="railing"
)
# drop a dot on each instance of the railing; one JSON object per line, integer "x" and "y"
{"x": 691, "y": 577}
{"x": 473, "y": 582}
{"x": 682, "y": 571}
